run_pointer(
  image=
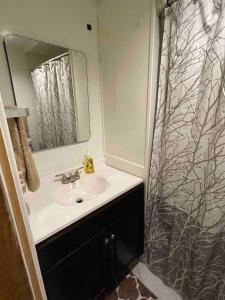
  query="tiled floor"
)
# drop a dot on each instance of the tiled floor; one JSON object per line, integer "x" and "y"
{"x": 155, "y": 284}
{"x": 131, "y": 288}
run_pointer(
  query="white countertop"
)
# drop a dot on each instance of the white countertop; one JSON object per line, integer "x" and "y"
{"x": 48, "y": 216}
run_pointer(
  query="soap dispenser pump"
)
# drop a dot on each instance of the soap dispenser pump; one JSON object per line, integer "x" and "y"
{"x": 88, "y": 164}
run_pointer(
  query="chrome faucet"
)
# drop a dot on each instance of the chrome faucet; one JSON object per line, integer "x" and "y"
{"x": 72, "y": 177}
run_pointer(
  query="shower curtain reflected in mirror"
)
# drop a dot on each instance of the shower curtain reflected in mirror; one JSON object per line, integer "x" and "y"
{"x": 53, "y": 87}
{"x": 185, "y": 208}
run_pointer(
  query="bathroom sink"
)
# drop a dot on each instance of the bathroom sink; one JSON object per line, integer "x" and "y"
{"x": 93, "y": 184}
{"x": 84, "y": 189}
{"x": 55, "y": 205}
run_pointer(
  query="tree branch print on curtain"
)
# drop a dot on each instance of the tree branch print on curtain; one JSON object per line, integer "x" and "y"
{"x": 185, "y": 209}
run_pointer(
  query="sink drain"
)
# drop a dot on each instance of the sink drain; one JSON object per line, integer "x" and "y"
{"x": 79, "y": 200}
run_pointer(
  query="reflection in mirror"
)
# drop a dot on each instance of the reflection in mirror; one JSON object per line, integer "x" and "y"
{"x": 51, "y": 82}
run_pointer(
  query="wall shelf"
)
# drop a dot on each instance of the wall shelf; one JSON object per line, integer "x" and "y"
{"x": 16, "y": 112}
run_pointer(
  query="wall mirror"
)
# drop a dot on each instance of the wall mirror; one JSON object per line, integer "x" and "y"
{"x": 51, "y": 83}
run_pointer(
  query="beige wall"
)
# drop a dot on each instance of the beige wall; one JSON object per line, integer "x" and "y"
{"x": 62, "y": 23}
{"x": 125, "y": 27}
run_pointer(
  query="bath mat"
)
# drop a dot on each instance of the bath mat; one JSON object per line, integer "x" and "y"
{"x": 131, "y": 288}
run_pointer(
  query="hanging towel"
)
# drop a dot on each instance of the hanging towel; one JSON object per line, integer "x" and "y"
{"x": 25, "y": 163}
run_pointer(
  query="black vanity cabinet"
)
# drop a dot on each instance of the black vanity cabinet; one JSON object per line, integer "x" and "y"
{"x": 90, "y": 257}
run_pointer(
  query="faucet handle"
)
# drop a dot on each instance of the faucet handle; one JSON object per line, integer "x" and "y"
{"x": 60, "y": 177}
{"x": 77, "y": 170}
{"x": 77, "y": 173}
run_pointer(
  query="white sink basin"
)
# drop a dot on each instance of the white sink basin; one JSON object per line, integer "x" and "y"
{"x": 86, "y": 188}
{"x": 93, "y": 184}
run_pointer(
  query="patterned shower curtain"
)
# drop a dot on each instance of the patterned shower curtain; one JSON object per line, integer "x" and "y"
{"x": 185, "y": 208}
{"x": 55, "y": 103}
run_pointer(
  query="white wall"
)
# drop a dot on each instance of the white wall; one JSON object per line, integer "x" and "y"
{"x": 62, "y": 23}
{"x": 125, "y": 27}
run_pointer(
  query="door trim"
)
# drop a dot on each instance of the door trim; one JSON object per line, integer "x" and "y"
{"x": 18, "y": 208}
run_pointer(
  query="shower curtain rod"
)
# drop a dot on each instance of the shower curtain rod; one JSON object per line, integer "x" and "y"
{"x": 162, "y": 4}
{"x": 57, "y": 57}
{"x": 52, "y": 59}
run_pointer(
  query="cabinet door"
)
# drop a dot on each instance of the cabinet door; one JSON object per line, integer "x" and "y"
{"x": 126, "y": 237}
{"x": 79, "y": 276}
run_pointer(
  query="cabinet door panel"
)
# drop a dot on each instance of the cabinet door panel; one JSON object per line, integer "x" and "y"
{"x": 126, "y": 238}
{"x": 79, "y": 276}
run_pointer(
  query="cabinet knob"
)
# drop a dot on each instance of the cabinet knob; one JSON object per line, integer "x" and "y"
{"x": 106, "y": 241}
{"x": 113, "y": 236}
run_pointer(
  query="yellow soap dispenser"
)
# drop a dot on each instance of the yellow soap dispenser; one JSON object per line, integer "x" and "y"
{"x": 88, "y": 164}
